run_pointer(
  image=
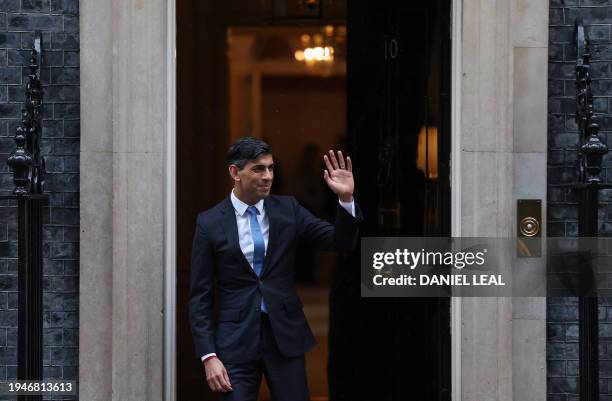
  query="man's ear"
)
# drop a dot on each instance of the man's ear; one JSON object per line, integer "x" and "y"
{"x": 233, "y": 171}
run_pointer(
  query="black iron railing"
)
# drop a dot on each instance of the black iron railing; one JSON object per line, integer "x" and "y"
{"x": 28, "y": 167}
{"x": 590, "y": 155}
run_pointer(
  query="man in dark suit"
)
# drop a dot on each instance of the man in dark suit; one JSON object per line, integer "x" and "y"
{"x": 245, "y": 248}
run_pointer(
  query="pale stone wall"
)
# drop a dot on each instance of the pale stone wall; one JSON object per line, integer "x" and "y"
{"x": 503, "y": 158}
{"x": 123, "y": 50}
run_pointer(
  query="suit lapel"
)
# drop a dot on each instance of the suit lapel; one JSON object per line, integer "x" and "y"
{"x": 272, "y": 233}
{"x": 231, "y": 231}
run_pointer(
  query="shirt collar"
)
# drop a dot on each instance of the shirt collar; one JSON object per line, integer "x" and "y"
{"x": 240, "y": 207}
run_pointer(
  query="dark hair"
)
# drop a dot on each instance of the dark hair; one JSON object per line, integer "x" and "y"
{"x": 246, "y": 149}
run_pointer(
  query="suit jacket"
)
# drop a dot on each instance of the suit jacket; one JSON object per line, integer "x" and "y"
{"x": 218, "y": 262}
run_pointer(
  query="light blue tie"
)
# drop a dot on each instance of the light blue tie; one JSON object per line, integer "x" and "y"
{"x": 259, "y": 250}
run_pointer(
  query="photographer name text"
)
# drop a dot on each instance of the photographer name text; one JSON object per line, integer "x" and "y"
{"x": 440, "y": 280}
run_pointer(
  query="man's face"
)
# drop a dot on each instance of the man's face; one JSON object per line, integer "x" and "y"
{"x": 255, "y": 178}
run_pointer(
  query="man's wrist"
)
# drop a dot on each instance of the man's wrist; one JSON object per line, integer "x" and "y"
{"x": 208, "y": 357}
{"x": 346, "y": 198}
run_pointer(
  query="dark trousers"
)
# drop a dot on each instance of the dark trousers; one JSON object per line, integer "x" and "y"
{"x": 286, "y": 377}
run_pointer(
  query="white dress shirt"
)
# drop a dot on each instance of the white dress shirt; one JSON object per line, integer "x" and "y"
{"x": 243, "y": 220}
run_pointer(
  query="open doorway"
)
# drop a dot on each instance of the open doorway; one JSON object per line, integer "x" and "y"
{"x": 287, "y": 85}
{"x": 308, "y": 76}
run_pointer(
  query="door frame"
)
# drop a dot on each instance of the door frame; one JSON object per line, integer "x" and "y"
{"x": 170, "y": 270}
{"x": 455, "y": 169}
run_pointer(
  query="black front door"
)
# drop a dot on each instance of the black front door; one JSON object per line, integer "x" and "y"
{"x": 398, "y": 87}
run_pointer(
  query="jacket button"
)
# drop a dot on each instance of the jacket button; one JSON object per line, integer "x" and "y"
{"x": 260, "y": 282}
{"x": 257, "y": 309}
